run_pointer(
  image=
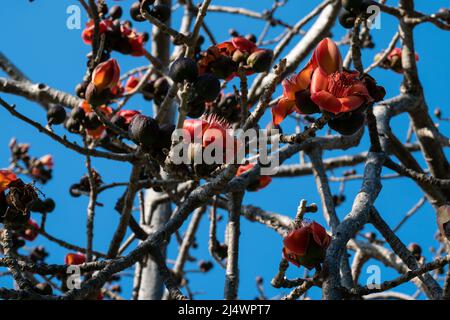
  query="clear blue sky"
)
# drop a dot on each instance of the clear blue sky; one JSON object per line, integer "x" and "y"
{"x": 35, "y": 37}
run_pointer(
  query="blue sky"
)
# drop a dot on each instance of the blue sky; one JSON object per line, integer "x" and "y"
{"x": 35, "y": 37}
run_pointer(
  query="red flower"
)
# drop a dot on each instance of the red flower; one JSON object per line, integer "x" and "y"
{"x": 128, "y": 115}
{"x": 306, "y": 245}
{"x": 75, "y": 258}
{"x": 131, "y": 83}
{"x": 88, "y": 33}
{"x": 32, "y": 231}
{"x": 210, "y": 132}
{"x": 322, "y": 83}
{"x": 106, "y": 75}
{"x": 338, "y": 92}
{"x": 262, "y": 181}
{"x": 6, "y": 177}
{"x": 394, "y": 60}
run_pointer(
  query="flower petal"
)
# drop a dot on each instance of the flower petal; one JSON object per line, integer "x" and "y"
{"x": 282, "y": 110}
{"x": 6, "y": 177}
{"x": 351, "y": 103}
{"x": 328, "y": 57}
{"x": 319, "y": 81}
{"x": 320, "y": 235}
{"x": 326, "y": 101}
{"x": 297, "y": 241}
{"x": 243, "y": 44}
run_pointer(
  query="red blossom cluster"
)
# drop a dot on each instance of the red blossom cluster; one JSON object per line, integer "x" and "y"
{"x": 325, "y": 86}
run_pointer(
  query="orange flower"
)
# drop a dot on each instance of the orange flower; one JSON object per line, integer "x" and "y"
{"x": 106, "y": 75}
{"x": 306, "y": 245}
{"x": 131, "y": 83}
{"x": 88, "y": 33}
{"x": 6, "y": 177}
{"x": 75, "y": 258}
{"x": 107, "y": 111}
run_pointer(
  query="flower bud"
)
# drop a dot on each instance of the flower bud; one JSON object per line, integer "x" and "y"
{"x": 49, "y": 205}
{"x": 306, "y": 245}
{"x": 78, "y": 114}
{"x": 260, "y": 60}
{"x": 74, "y": 259}
{"x": 183, "y": 69}
{"x": 135, "y": 12}
{"x": 106, "y": 75}
{"x": 56, "y": 115}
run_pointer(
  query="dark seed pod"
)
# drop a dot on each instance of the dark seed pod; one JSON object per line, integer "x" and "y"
{"x": 161, "y": 12}
{"x": 347, "y": 124}
{"x": 207, "y": 87}
{"x": 37, "y": 206}
{"x": 78, "y": 114}
{"x": 49, "y": 205}
{"x": 44, "y": 288}
{"x": 92, "y": 121}
{"x": 56, "y": 115}
{"x": 115, "y": 12}
{"x": 73, "y": 125}
{"x": 119, "y": 121}
{"x": 74, "y": 190}
{"x": 261, "y": 60}
{"x": 183, "y": 69}
{"x": 196, "y": 109}
{"x": 144, "y": 130}
{"x": 135, "y": 12}
{"x": 347, "y": 19}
